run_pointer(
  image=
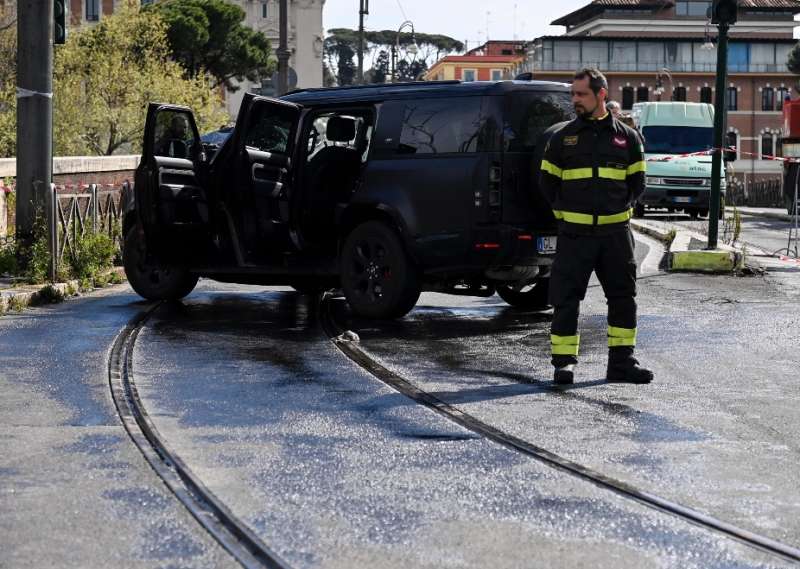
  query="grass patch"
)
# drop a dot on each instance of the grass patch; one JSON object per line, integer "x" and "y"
{"x": 92, "y": 257}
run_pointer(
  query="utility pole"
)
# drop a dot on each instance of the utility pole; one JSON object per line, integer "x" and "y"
{"x": 363, "y": 11}
{"x": 283, "y": 52}
{"x": 34, "y": 111}
{"x": 723, "y": 13}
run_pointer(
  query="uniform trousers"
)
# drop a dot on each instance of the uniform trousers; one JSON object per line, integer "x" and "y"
{"x": 611, "y": 257}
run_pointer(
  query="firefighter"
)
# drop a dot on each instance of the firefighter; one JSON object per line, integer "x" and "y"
{"x": 592, "y": 172}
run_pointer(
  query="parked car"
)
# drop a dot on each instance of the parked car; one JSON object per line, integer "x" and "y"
{"x": 382, "y": 190}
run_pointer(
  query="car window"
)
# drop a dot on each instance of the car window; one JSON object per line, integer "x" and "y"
{"x": 528, "y": 115}
{"x": 270, "y": 128}
{"x": 173, "y": 135}
{"x": 318, "y": 135}
{"x": 440, "y": 126}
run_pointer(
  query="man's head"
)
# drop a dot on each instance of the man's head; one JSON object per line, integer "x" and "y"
{"x": 179, "y": 126}
{"x": 589, "y": 93}
{"x": 613, "y": 108}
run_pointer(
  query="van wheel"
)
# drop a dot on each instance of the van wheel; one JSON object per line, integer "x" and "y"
{"x": 638, "y": 210}
{"x": 150, "y": 279}
{"x": 379, "y": 279}
{"x": 531, "y": 297}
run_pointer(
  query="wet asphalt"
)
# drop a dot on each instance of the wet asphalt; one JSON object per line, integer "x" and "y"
{"x": 332, "y": 468}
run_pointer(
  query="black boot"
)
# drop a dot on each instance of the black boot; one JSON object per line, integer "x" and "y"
{"x": 564, "y": 375}
{"x": 627, "y": 371}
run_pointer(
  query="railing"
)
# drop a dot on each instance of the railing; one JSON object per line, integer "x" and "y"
{"x": 767, "y": 193}
{"x": 674, "y": 67}
{"x": 95, "y": 209}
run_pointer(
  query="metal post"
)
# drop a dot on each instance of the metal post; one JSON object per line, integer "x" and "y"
{"x": 720, "y": 111}
{"x": 93, "y": 191}
{"x": 34, "y": 110}
{"x": 52, "y": 227}
{"x": 363, "y": 10}
{"x": 394, "y": 62}
{"x": 283, "y": 52}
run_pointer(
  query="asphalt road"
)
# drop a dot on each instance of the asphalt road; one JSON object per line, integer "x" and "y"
{"x": 332, "y": 468}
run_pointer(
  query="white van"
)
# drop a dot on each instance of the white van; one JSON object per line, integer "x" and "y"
{"x": 675, "y": 181}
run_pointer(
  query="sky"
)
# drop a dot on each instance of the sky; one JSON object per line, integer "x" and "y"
{"x": 460, "y": 19}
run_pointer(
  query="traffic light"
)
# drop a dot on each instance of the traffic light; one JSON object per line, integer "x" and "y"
{"x": 724, "y": 11}
{"x": 59, "y": 21}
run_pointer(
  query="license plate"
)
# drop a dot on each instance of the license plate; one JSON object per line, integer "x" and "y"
{"x": 546, "y": 244}
{"x": 682, "y": 200}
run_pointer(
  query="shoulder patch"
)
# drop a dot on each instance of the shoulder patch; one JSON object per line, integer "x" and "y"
{"x": 571, "y": 140}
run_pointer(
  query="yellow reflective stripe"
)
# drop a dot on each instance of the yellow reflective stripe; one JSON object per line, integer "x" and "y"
{"x": 621, "y": 336}
{"x": 637, "y": 167}
{"x": 621, "y": 332}
{"x": 576, "y": 174}
{"x": 564, "y": 345}
{"x": 611, "y": 173}
{"x": 616, "y": 218}
{"x": 588, "y": 219}
{"x": 571, "y": 217}
{"x": 551, "y": 168}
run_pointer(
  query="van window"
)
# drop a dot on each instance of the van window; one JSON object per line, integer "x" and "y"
{"x": 528, "y": 115}
{"x": 440, "y": 126}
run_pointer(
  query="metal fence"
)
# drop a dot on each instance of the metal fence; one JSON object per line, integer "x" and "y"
{"x": 96, "y": 209}
{"x": 767, "y": 193}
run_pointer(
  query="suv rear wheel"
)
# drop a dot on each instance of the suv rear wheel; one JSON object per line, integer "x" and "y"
{"x": 379, "y": 279}
{"x": 531, "y": 297}
{"x": 150, "y": 279}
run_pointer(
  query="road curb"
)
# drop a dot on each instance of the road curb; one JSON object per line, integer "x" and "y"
{"x": 686, "y": 253}
{"x": 18, "y": 298}
{"x": 767, "y": 214}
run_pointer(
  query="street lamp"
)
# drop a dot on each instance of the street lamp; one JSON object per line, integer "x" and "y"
{"x": 412, "y": 49}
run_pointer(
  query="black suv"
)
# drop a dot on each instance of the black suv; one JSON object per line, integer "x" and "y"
{"x": 382, "y": 190}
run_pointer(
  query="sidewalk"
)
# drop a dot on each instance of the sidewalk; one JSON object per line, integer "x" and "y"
{"x": 15, "y": 295}
{"x": 769, "y": 212}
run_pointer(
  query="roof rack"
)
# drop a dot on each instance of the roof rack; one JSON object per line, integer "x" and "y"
{"x": 374, "y": 86}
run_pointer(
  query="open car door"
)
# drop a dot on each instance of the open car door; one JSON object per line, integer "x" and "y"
{"x": 264, "y": 143}
{"x": 171, "y": 201}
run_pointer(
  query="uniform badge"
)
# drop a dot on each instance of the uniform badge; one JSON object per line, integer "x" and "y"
{"x": 571, "y": 140}
{"x": 620, "y": 142}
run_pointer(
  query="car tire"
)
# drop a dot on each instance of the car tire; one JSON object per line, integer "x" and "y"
{"x": 149, "y": 279}
{"x": 703, "y": 213}
{"x": 638, "y": 210}
{"x": 535, "y": 298}
{"x": 379, "y": 279}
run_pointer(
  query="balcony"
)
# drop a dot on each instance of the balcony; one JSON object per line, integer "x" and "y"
{"x": 676, "y": 67}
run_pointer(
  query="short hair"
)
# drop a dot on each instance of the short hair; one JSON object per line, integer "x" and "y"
{"x": 597, "y": 80}
{"x": 612, "y": 105}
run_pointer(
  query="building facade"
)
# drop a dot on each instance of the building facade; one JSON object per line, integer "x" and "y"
{"x": 492, "y": 61}
{"x": 666, "y": 50}
{"x": 305, "y": 39}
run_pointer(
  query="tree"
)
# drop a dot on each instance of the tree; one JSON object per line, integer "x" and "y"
{"x": 342, "y": 43}
{"x": 105, "y": 76}
{"x": 793, "y": 62}
{"x": 210, "y": 36}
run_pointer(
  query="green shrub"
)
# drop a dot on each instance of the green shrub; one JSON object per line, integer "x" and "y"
{"x": 49, "y": 295}
{"x": 8, "y": 257}
{"x": 94, "y": 254}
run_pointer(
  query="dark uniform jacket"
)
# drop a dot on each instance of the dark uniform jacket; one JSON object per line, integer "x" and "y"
{"x": 591, "y": 173}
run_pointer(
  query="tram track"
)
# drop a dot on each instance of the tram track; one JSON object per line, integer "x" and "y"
{"x": 346, "y": 342}
{"x": 230, "y": 532}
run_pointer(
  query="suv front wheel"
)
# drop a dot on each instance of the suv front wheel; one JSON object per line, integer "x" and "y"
{"x": 150, "y": 279}
{"x": 378, "y": 277}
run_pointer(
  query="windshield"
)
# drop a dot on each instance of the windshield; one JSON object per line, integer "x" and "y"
{"x": 677, "y": 139}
